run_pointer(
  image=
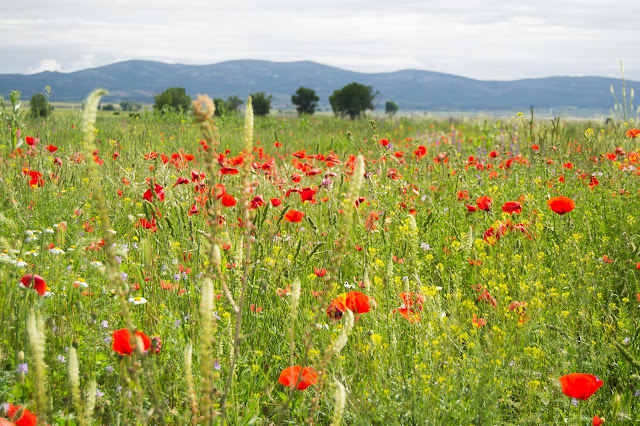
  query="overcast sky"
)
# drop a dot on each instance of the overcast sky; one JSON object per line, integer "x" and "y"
{"x": 482, "y": 39}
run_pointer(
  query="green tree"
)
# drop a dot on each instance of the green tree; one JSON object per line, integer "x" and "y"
{"x": 40, "y": 106}
{"x": 391, "y": 107}
{"x": 174, "y": 97}
{"x": 261, "y": 103}
{"x": 130, "y": 106}
{"x": 233, "y": 102}
{"x": 352, "y": 100}
{"x": 305, "y": 100}
{"x": 108, "y": 107}
{"x": 221, "y": 107}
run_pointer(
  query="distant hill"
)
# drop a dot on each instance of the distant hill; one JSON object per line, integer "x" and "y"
{"x": 412, "y": 90}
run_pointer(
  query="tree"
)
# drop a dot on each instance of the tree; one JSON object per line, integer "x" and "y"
{"x": 174, "y": 97}
{"x": 305, "y": 100}
{"x": 391, "y": 107}
{"x": 40, "y": 106}
{"x": 261, "y": 103}
{"x": 108, "y": 107}
{"x": 221, "y": 107}
{"x": 233, "y": 102}
{"x": 352, "y": 100}
{"x": 130, "y": 106}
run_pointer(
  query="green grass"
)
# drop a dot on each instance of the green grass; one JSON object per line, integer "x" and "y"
{"x": 441, "y": 370}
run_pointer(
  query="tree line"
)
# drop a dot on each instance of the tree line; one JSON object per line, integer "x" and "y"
{"x": 352, "y": 100}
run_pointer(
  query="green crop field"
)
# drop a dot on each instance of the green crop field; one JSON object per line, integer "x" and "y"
{"x": 318, "y": 270}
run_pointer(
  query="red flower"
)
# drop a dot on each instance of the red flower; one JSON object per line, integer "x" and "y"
{"x": 32, "y": 142}
{"x": 35, "y": 282}
{"x": 561, "y": 205}
{"x": 27, "y": 418}
{"x": 484, "y": 203}
{"x": 512, "y": 207}
{"x": 51, "y": 148}
{"x": 579, "y": 385}
{"x": 358, "y": 302}
{"x": 228, "y": 171}
{"x": 632, "y": 133}
{"x": 275, "y": 202}
{"x": 471, "y": 209}
{"x": 181, "y": 181}
{"x": 293, "y": 216}
{"x": 319, "y": 272}
{"x": 289, "y": 377}
{"x": 228, "y": 200}
{"x": 122, "y": 341}
{"x": 597, "y": 421}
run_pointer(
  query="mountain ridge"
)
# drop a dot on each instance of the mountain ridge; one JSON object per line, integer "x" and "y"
{"x": 412, "y": 89}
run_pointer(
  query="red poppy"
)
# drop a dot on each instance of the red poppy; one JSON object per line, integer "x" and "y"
{"x": 359, "y": 303}
{"x": 32, "y": 142}
{"x": 320, "y": 272}
{"x": 35, "y": 282}
{"x": 561, "y": 205}
{"x": 122, "y": 341}
{"x": 275, "y": 202}
{"x": 580, "y": 385}
{"x": 27, "y": 418}
{"x": 597, "y": 421}
{"x": 228, "y": 171}
{"x": 289, "y": 377}
{"x": 512, "y": 207}
{"x": 471, "y": 209}
{"x": 484, "y": 203}
{"x": 337, "y": 308}
{"x": 228, "y": 200}
{"x": 632, "y": 133}
{"x": 51, "y": 148}
{"x": 293, "y": 216}
{"x": 478, "y": 322}
{"x": 181, "y": 181}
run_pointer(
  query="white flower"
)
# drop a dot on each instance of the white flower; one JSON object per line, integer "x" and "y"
{"x": 31, "y": 253}
{"x": 48, "y": 231}
{"x": 30, "y": 239}
{"x": 80, "y": 282}
{"x": 21, "y": 263}
{"x": 111, "y": 231}
{"x": 56, "y": 250}
{"x": 96, "y": 264}
{"x": 138, "y": 300}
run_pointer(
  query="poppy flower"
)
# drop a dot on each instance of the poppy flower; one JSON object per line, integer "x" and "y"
{"x": 32, "y": 142}
{"x": 561, "y": 205}
{"x": 359, "y": 303}
{"x": 27, "y": 418}
{"x": 275, "y": 202}
{"x": 597, "y": 421}
{"x": 36, "y": 282}
{"x": 293, "y": 216}
{"x": 51, "y": 148}
{"x": 471, "y": 209}
{"x": 228, "y": 200}
{"x": 580, "y": 385}
{"x": 484, "y": 203}
{"x": 320, "y": 272}
{"x": 512, "y": 207}
{"x": 228, "y": 171}
{"x": 337, "y": 307}
{"x": 122, "y": 341}
{"x": 289, "y": 377}
{"x": 632, "y": 133}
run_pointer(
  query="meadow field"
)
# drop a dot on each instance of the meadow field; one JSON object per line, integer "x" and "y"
{"x": 315, "y": 270}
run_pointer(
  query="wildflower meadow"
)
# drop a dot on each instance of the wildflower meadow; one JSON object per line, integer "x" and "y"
{"x": 191, "y": 269}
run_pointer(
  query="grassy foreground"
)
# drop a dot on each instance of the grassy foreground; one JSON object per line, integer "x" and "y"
{"x": 396, "y": 277}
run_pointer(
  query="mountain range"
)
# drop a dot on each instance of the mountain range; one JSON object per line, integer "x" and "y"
{"x": 412, "y": 90}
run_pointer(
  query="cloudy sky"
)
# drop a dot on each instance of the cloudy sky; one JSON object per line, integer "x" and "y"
{"x": 488, "y": 40}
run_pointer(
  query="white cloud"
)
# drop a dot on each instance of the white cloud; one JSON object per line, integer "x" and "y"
{"x": 45, "y": 65}
{"x": 493, "y": 39}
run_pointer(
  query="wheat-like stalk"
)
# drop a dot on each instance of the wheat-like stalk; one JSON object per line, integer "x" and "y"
{"x": 35, "y": 331}
{"x": 338, "y": 406}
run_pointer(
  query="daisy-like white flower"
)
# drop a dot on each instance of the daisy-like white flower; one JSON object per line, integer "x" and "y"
{"x": 56, "y": 250}
{"x": 138, "y": 300}
{"x": 48, "y": 231}
{"x": 21, "y": 263}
